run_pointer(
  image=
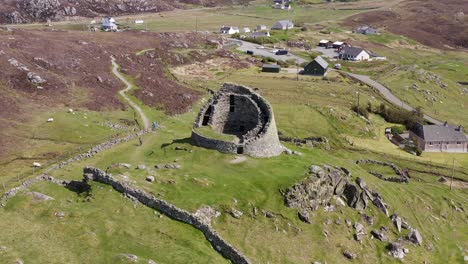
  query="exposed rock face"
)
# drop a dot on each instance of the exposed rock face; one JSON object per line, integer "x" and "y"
{"x": 25, "y": 11}
{"x": 414, "y": 237}
{"x": 317, "y": 189}
{"x": 380, "y": 235}
{"x": 40, "y": 197}
{"x": 396, "y": 249}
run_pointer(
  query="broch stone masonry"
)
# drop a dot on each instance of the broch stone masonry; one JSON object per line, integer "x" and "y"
{"x": 239, "y": 111}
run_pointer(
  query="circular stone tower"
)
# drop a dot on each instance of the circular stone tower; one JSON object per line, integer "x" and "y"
{"x": 237, "y": 120}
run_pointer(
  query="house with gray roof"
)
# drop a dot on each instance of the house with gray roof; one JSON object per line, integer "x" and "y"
{"x": 354, "y": 53}
{"x": 439, "y": 138}
{"x": 283, "y": 25}
{"x": 316, "y": 67}
{"x": 366, "y": 30}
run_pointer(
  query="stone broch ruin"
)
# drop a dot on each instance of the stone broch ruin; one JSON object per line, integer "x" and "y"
{"x": 239, "y": 111}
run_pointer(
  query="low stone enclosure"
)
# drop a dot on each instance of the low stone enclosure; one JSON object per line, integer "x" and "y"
{"x": 238, "y": 111}
{"x": 403, "y": 176}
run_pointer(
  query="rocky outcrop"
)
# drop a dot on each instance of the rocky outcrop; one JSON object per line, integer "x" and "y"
{"x": 218, "y": 243}
{"x": 317, "y": 189}
{"x": 26, "y": 11}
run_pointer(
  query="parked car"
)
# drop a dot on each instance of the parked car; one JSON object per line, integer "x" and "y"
{"x": 249, "y": 52}
{"x": 338, "y": 66}
{"x": 281, "y": 52}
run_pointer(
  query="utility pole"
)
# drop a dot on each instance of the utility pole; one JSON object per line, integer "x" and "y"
{"x": 453, "y": 172}
{"x": 297, "y": 70}
{"x": 196, "y": 24}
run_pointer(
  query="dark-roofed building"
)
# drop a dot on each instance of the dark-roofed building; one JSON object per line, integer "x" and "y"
{"x": 366, "y": 30}
{"x": 260, "y": 34}
{"x": 316, "y": 67}
{"x": 271, "y": 68}
{"x": 354, "y": 53}
{"x": 283, "y": 25}
{"x": 439, "y": 138}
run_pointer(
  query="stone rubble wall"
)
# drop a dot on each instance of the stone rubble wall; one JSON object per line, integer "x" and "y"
{"x": 14, "y": 191}
{"x": 90, "y": 153}
{"x": 218, "y": 243}
{"x": 403, "y": 175}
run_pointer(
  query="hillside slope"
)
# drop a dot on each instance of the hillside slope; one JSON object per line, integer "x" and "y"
{"x": 439, "y": 24}
{"x": 26, "y": 11}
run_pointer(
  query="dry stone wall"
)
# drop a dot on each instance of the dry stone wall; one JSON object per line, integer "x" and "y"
{"x": 218, "y": 243}
{"x": 90, "y": 153}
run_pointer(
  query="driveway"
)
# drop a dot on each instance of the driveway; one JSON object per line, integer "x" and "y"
{"x": 388, "y": 95}
{"x": 328, "y": 53}
{"x": 265, "y": 52}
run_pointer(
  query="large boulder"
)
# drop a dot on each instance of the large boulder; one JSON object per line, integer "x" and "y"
{"x": 304, "y": 216}
{"x": 414, "y": 237}
{"x": 396, "y": 250}
{"x": 380, "y": 204}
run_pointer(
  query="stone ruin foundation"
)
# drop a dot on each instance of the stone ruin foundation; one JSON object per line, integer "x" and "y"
{"x": 239, "y": 111}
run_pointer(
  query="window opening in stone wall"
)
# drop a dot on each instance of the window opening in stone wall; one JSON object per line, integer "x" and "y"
{"x": 240, "y": 150}
{"x": 206, "y": 118}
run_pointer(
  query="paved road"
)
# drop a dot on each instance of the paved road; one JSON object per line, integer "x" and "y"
{"x": 115, "y": 70}
{"x": 265, "y": 52}
{"x": 388, "y": 95}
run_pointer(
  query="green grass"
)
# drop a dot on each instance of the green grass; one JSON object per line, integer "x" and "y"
{"x": 208, "y": 177}
{"x": 99, "y": 231}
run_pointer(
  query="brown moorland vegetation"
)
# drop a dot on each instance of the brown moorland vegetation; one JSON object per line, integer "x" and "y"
{"x": 439, "y": 24}
{"x": 76, "y": 67}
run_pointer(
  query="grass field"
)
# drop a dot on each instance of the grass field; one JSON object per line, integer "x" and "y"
{"x": 105, "y": 228}
{"x": 51, "y": 142}
{"x": 210, "y": 178}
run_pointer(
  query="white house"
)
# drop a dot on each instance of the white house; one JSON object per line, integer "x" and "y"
{"x": 261, "y": 27}
{"x": 246, "y": 30}
{"x": 353, "y": 53}
{"x": 108, "y": 24}
{"x": 229, "y": 30}
{"x": 139, "y": 21}
{"x": 283, "y": 25}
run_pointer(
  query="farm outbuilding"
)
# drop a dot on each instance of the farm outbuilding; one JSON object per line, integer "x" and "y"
{"x": 317, "y": 67}
{"x": 271, "y": 68}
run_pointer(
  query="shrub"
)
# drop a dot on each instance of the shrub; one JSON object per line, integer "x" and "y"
{"x": 400, "y": 116}
{"x": 398, "y": 129}
{"x": 360, "y": 110}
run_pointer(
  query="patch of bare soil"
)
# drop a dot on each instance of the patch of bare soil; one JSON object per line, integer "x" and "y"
{"x": 438, "y": 24}
{"x": 41, "y": 70}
